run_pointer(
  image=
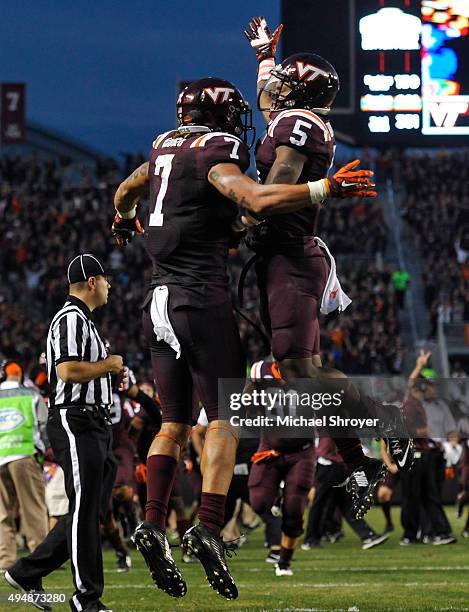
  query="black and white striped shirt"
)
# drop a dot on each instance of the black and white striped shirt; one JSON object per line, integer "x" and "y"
{"x": 73, "y": 337}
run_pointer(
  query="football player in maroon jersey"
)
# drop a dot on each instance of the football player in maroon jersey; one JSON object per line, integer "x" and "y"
{"x": 281, "y": 458}
{"x": 195, "y": 180}
{"x": 293, "y": 272}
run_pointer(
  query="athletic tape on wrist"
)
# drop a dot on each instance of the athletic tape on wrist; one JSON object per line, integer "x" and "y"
{"x": 130, "y": 214}
{"x": 317, "y": 191}
{"x": 265, "y": 68}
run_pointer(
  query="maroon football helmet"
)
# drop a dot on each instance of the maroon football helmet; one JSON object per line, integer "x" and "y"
{"x": 303, "y": 80}
{"x": 216, "y": 104}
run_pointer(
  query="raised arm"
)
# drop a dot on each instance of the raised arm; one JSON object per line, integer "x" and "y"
{"x": 421, "y": 362}
{"x": 264, "y": 44}
{"x": 126, "y": 199}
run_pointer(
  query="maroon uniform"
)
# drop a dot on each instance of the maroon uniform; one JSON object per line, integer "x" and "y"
{"x": 123, "y": 447}
{"x": 465, "y": 467}
{"x": 294, "y": 465}
{"x": 416, "y": 422}
{"x": 187, "y": 236}
{"x": 293, "y": 271}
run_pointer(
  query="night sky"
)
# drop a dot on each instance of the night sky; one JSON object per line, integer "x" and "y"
{"x": 106, "y": 72}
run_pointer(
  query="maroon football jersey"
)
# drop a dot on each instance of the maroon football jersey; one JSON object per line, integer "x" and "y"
{"x": 311, "y": 135}
{"x": 188, "y": 229}
{"x": 416, "y": 422}
{"x": 120, "y": 420}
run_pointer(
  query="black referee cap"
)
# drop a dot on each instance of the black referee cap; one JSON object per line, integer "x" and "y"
{"x": 82, "y": 267}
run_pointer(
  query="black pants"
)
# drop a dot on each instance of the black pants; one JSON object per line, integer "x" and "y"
{"x": 239, "y": 490}
{"x": 326, "y": 501}
{"x": 82, "y": 445}
{"x": 421, "y": 498}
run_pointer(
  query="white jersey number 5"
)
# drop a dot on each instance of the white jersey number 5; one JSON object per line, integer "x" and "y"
{"x": 300, "y": 132}
{"x": 163, "y": 164}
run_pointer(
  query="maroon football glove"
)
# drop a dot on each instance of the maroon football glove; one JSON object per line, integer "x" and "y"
{"x": 261, "y": 39}
{"x": 350, "y": 183}
{"x": 124, "y": 230}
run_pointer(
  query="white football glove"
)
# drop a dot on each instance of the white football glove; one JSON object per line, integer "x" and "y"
{"x": 261, "y": 39}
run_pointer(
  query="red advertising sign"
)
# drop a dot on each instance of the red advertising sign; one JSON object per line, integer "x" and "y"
{"x": 12, "y": 113}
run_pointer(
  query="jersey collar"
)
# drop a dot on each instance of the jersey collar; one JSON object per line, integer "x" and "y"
{"x": 81, "y": 305}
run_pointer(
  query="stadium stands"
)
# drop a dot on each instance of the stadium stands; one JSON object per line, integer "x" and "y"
{"x": 50, "y": 209}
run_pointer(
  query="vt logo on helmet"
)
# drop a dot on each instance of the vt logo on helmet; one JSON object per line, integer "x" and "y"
{"x": 219, "y": 94}
{"x": 308, "y": 72}
{"x": 216, "y": 104}
{"x": 303, "y": 80}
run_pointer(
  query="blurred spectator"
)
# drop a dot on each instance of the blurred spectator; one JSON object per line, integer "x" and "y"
{"x": 22, "y": 437}
{"x": 400, "y": 279}
{"x": 437, "y": 210}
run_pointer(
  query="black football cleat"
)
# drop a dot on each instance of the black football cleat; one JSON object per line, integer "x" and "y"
{"x": 362, "y": 483}
{"x": 401, "y": 451}
{"x": 394, "y": 430}
{"x": 210, "y": 551}
{"x": 34, "y": 592}
{"x": 153, "y": 544}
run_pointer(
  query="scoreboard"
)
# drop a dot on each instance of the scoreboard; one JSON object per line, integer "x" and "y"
{"x": 403, "y": 65}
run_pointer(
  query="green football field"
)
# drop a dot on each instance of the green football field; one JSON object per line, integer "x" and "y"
{"x": 338, "y": 576}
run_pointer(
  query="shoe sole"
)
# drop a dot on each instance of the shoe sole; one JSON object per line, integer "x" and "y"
{"x": 368, "y": 500}
{"x": 12, "y": 582}
{"x": 381, "y": 540}
{"x": 223, "y": 585}
{"x": 166, "y": 576}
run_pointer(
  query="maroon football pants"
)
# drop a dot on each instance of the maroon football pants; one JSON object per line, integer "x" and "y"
{"x": 296, "y": 469}
{"x": 210, "y": 349}
{"x": 291, "y": 290}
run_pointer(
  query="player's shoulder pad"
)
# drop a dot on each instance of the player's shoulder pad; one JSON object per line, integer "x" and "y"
{"x": 221, "y": 148}
{"x": 286, "y": 120}
{"x": 204, "y": 140}
{"x": 159, "y": 139}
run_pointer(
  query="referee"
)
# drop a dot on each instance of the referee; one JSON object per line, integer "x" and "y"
{"x": 79, "y": 372}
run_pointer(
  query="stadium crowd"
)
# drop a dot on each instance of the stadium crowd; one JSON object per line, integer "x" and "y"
{"x": 436, "y": 207}
{"x": 51, "y": 209}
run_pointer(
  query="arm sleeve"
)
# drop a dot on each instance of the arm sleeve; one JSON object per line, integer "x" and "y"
{"x": 69, "y": 336}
